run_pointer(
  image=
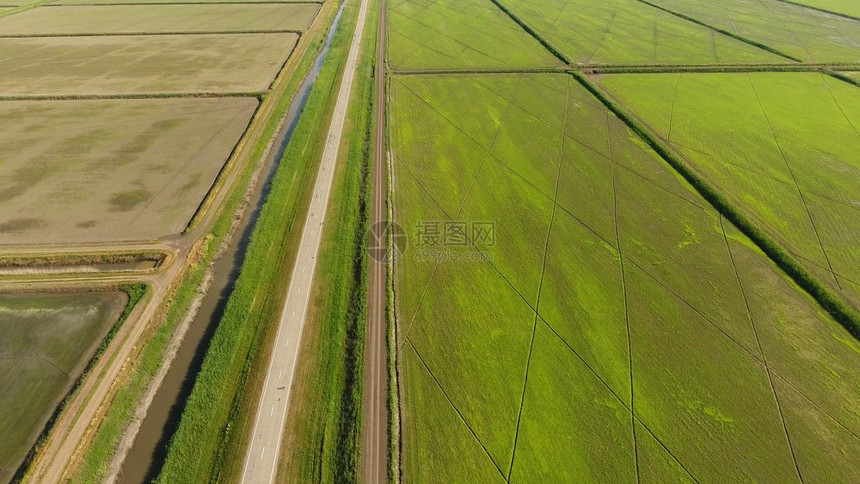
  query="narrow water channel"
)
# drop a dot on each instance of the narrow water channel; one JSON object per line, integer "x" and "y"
{"x": 148, "y": 452}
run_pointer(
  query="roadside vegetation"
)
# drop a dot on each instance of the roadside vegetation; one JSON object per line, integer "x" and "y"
{"x": 211, "y": 439}
{"x": 93, "y": 464}
{"x": 325, "y": 421}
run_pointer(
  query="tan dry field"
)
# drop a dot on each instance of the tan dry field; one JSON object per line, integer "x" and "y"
{"x": 145, "y": 64}
{"x": 58, "y": 20}
{"x": 119, "y": 2}
{"x": 111, "y": 170}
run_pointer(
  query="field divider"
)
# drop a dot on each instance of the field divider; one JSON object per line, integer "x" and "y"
{"x": 534, "y": 33}
{"x": 834, "y": 305}
{"x": 728, "y": 33}
{"x": 160, "y": 95}
{"x": 150, "y": 33}
{"x": 827, "y": 68}
{"x": 180, "y": 2}
{"x": 822, "y": 10}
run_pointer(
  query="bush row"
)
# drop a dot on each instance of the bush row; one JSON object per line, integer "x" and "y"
{"x": 834, "y": 305}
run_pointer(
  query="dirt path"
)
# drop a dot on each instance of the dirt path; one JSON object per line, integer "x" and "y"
{"x": 261, "y": 461}
{"x": 374, "y": 465}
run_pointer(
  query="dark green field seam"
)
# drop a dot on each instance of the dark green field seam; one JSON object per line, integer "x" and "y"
{"x": 725, "y": 32}
{"x": 151, "y": 34}
{"x": 537, "y": 36}
{"x": 834, "y": 305}
{"x": 160, "y": 95}
{"x": 561, "y": 56}
{"x": 824, "y": 10}
{"x": 826, "y": 68}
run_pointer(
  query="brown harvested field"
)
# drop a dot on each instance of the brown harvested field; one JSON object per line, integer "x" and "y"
{"x": 47, "y": 340}
{"x": 111, "y": 170}
{"x": 59, "y": 20}
{"x": 143, "y": 64}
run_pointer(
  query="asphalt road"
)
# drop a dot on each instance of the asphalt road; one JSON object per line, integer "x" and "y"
{"x": 374, "y": 463}
{"x": 261, "y": 461}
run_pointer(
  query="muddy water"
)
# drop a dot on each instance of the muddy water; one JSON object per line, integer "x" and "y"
{"x": 146, "y": 456}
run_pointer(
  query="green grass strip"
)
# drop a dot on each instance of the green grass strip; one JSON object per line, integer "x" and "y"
{"x": 209, "y": 443}
{"x": 834, "y": 305}
{"x": 723, "y": 31}
{"x": 135, "y": 293}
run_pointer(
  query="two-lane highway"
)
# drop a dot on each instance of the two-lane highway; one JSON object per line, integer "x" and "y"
{"x": 261, "y": 461}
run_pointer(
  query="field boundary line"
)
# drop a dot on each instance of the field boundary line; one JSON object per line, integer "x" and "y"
{"x": 184, "y": 2}
{"x": 612, "y": 166}
{"x": 144, "y": 33}
{"x": 160, "y": 95}
{"x": 822, "y": 10}
{"x": 615, "y": 395}
{"x": 760, "y": 349}
{"x": 540, "y": 283}
{"x": 725, "y": 32}
{"x": 846, "y": 315}
{"x": 834, "y": 69}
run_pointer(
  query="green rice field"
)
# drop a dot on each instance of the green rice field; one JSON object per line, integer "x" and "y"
{"x": 47, "y": 341}
{"x": 142, "y": 64}
{"x": 617, "y": 329}
{"x": 792, "y": 164}
{"x": 630, "y": 32}
{"x": 847, "y": 7}
{"x": 447, "y": 34}
{"x": 805, "y": 34}
{"x": 90, "y": 20}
